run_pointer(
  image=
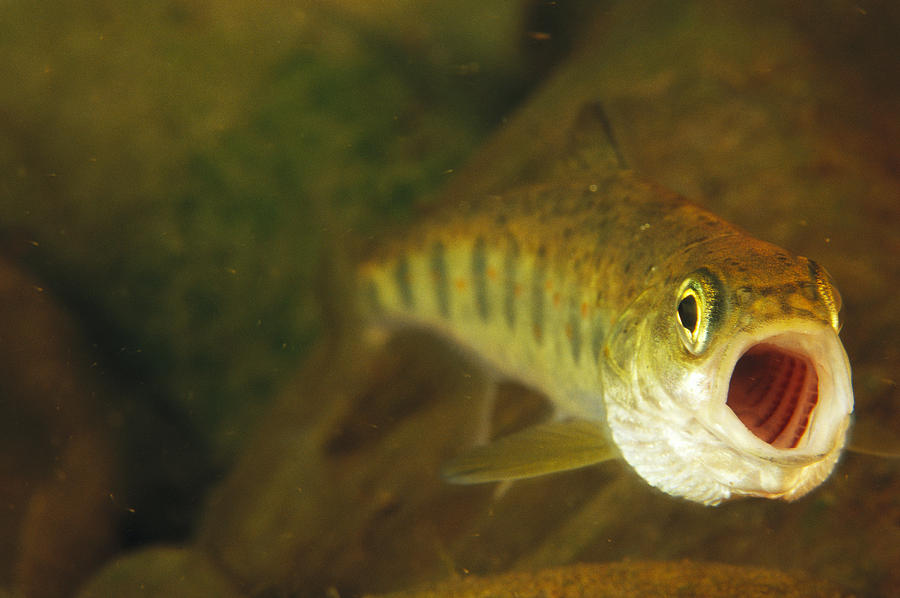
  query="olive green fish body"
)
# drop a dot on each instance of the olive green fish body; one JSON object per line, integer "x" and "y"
{"x": 709, "y": 358}
{"x": 532, "y": 282}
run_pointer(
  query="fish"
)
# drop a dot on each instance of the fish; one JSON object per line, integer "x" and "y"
{"x": 710, "y": 361}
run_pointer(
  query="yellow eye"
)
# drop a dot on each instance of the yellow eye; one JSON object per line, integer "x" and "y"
{"x": 697, "y": 310}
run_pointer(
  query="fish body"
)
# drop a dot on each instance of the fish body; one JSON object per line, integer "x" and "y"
{"x": 708, "y": 359}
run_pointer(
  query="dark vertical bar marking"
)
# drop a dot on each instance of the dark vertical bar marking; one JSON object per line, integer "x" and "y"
{"x": 510, "y": 269}
{"x": 479, "y": 277}
{"x": 598, "y": 335}
{"x": 538, "y": 280}
{"x": 441, "y": 279}
{"x": 574, "y": 330}
{"x": 404, "y": 285}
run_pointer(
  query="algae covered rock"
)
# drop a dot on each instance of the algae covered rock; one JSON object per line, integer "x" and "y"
{"x": 633, "y": 580}
{"x": 339, "y": 473}
{"x": 160, "y": 572}
{"x": 166, "y": 161}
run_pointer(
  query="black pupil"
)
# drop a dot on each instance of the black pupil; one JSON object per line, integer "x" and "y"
{"x": 687, "y": 313}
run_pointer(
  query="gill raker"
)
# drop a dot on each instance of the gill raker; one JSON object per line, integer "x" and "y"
{"x": 709, "y": 360}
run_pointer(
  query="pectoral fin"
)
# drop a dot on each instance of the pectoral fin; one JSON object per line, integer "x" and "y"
{"x": 542, "y": 449}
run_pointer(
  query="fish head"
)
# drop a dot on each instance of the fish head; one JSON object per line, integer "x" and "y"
{"x": 739, "y": 384}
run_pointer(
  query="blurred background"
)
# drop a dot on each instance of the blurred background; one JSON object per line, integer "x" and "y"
{"x": 169, "y": 174}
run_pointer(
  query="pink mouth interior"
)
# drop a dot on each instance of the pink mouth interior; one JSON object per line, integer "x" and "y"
{"x": 773, "y": 392}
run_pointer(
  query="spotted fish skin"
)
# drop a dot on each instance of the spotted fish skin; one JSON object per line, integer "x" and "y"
{"x": 574, "y": 288}
{"x": 532, "y": 282}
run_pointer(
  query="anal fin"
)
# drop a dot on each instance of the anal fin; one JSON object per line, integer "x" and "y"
{"x": 535, "y": 451}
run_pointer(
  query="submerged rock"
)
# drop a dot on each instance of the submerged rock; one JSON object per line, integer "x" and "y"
{"x": 160, "y": 571}
{"x": 57, "y": 470}
{"x": 633, "y": 579}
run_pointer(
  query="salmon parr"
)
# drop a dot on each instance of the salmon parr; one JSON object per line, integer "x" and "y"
{"x": 707, "y": 359}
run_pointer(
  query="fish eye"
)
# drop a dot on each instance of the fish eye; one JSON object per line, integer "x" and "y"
{"x": 687, "y": 313}
{"x": 696, "y": 310}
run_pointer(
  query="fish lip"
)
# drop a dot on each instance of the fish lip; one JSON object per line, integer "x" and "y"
{"x": 826, "y": 430}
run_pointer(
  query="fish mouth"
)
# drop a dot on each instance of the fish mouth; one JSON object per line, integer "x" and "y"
{"x": 791, "y": 390}
{"x": 773, "y": 391}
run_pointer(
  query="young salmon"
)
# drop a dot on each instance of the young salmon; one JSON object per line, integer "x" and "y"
{"x": 708, "y": 359}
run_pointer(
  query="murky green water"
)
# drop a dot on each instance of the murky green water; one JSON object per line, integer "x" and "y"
{"x": 169, "y": 172}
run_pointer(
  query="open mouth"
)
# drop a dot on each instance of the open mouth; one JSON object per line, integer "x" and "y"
{"x": 773, "y": 391}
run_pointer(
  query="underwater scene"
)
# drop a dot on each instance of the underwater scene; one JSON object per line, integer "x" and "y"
{"x": 405, "y": 298}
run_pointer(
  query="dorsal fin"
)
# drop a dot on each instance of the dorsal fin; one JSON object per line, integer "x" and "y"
{"x": 588, "y": 149}
{"x": 575, "y": 144}
{"x": 592, "y": 146}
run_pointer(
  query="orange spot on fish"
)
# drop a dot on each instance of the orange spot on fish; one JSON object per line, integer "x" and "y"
{"x": 460, "y": 284}
{"x": 556, "y": 299}
{"x": 548, "y": 285}
{"x": 517, "y": 290}
{"x": 584, "y": 309}
{"x": 492, "y": 273}
{"x": 540, "y": 36}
